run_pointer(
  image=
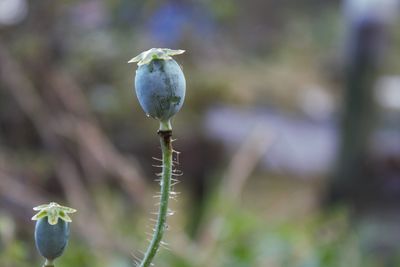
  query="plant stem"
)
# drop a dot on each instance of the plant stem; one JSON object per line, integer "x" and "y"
{"x": 48, "y": 263}
{"x": 165, "y": 125}
{"x": 166, "y": 148}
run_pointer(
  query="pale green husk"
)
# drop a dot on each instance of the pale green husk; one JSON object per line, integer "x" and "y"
{"x": 53, "y": 211}
{"x": 155, "y": 53}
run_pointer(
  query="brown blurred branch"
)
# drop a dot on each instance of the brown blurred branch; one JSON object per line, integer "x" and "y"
{"x": 21, "y": 89}
{"x": 244, "y": 161}
{"x": 88, "y": 221}
{"x": 90, "y": 140}
{"x": 90, "y": 137}
{"x": 74, "y": 122}
{"x": 240, "y": 168}
{"x": 86, "y": 133}
{"x": 13, "y": 189}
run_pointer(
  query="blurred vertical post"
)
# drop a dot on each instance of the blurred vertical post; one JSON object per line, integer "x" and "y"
{"x": 366, "y": 23}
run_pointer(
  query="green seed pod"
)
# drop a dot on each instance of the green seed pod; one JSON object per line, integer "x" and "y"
{"x": 52, "y": 229}
{"x": 159, "y": 83}
{"x": 51, "y": 240}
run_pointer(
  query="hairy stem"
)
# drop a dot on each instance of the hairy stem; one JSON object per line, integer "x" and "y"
{"x": 166, "y": 148}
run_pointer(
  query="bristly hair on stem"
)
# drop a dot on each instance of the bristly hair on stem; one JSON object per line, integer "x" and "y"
{"x": 165, "y": 134}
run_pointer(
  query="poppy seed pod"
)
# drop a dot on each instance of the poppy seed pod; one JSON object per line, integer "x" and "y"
{"x": 51, "y": 240}
{"x": 52, "y": 229}
{"x": 159, "y": 83}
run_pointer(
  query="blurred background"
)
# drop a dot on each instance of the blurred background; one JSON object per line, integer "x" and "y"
{"x": 289, "y": 135}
